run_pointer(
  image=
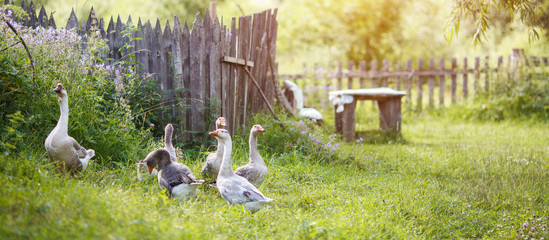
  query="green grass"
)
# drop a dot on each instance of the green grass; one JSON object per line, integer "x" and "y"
{"x": 445, "y": 179}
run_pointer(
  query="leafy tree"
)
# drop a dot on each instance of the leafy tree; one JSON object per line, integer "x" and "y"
{"x": 533, "y": 13}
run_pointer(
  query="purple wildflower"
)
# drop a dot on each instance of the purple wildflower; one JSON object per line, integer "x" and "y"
{"x": 302, "y": 132}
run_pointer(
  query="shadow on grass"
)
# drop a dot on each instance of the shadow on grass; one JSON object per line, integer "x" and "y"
{"x": 380, "y": 137}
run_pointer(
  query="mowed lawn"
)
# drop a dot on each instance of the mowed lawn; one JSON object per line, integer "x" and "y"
{"x": 445, "y": 179}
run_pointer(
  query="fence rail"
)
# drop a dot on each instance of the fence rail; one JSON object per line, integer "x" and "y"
{"x": 440, "y": 79}
{"x": 193, "y": 66}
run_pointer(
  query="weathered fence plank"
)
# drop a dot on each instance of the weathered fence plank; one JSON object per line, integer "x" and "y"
{"x": 385, "y": 68}
{"x": 197, "y": 87}
{"x": 465, "y": 78}
{"x": 350, "y": 67}
{"x": 420, "y": 67}
{"x": 441, "y": 84}
{"x": 454, "y": 80}
{"x": 431, "y": 84}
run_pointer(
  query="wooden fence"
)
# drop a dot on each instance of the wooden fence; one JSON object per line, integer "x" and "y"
{"x": 195, "y": 66}
{"x": 442, "y": 79}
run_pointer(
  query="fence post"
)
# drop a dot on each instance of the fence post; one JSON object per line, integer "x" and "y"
{"x": 466, "y": 72}
{"x": 431, "y": 83}
{"x": 441, "y": 80}
{"x": 385, "y": 80}
{"x": 362, "y": 69}
{"x": 350, "y": 67}
{"x": 454, "y": 79}
{"x": 409, "y": 80}
{"x": 487, "y": 75}
{"x": 373, "y": 71}
{"x": 399, "y": 79}
{"x": 420, "y": 64}
{"x": 339, "y": 75}
{"x": 477, "y": 75}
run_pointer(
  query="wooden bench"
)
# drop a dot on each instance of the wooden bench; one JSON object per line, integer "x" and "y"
{"x": 388, "y": 102}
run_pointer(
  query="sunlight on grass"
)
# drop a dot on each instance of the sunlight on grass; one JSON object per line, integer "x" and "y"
{"x": 448, "y": 179}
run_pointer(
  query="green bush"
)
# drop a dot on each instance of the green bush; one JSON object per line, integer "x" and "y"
{"x": 524, "y": 97}
{"x": 103, "y": 105}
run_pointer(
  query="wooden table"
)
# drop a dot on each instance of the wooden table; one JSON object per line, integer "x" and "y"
{"x": 388, "y": 102}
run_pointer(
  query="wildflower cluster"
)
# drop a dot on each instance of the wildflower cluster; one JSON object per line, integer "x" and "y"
{"x": 534, "y": 228}
{"x": 104, "y": 100}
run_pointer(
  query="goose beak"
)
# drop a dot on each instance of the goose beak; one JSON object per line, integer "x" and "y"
{"x": 58, "y": 88}
{"x": 214, "y": 133}
{"x": 150, "y": 169}
{"x": 260, "y": 129}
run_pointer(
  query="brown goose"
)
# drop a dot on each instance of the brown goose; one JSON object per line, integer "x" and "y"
{"x": 233, "y": 188}
{"x": 175, "y": 177}
{"x": 213, "y": 160}
{"x": 63, "y": 150}
{"x": 256, "y": 170}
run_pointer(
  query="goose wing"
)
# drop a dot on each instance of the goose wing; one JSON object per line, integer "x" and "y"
{"x": 80, "y": 151}
{"x": 174, "y": 174}
{"x": 239, "y": 191}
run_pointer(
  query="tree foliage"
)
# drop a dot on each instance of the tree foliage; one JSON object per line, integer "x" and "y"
{"x": 533, "y": 13}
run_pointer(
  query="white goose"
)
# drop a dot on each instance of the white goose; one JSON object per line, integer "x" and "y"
{"x": 256, "y": 170}
{"x": 298, "y": 96}
{"x": 142, "y": 170}
{"x": 63, "y": 150}
{"x": 233, "y": 188}
{"x": 213, "y": 160}
{"x": 175, "y": 177}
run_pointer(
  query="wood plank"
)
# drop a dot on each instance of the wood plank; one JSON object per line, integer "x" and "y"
{"x": 441, "y": 84}
{"x": 239, "y": 61}
{"x": 487, "y": 74}
{"x": 476, "y": 75}
{"x": 362, "y": 70}
{"x": 255, "y": 52}
{"x": 149, "y": 40}
{"x": 431, "y": 84}
{"x": 373, "y": 70}
{"x": 350, "y": 68}
{"x": 43, "y": 17}
{"x": 409, "y": 80}
{"x": 339, "y": 75}
{"x": 184, "y": 91}
{"x": 454, "y": 80}
{"x": 118, "y": 39}
{"x": 419, "y": 104}
{"x": 179, "y": 121}
{"x": 385, "y": 68}
{"x": 348, "y": 122}
{"x": 167, "y": 79}
{"x": 215, "y": 70}
{"x": 399, "y": 79}
{"x": 111, "y": 35}
{"x": 225, "y": 74}
{"x": 141, "y": 48}
{"x": 209, "y": 121}
{"x": 72, "y": 23}
{"x": 233, "y": 79}
{"x": 197, "y": 87}
{"x": 465, "y": 89}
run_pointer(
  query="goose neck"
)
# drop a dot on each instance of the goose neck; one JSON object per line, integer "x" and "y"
{"x": 226, "y": 164}
{"x": 63, "y": 123}
{"x": 220, "y": 150}
{"x": 254, "y": 154}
